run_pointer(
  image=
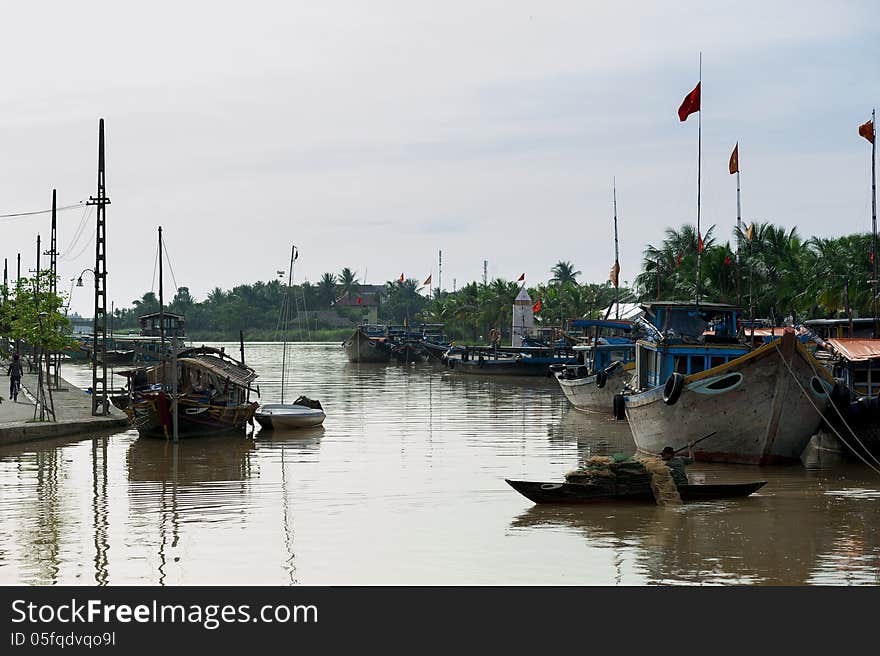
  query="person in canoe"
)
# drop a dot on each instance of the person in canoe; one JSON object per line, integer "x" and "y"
{"x": 677, "y": 464}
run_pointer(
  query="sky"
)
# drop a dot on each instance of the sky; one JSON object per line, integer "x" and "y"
{"x": 374, "y": 135}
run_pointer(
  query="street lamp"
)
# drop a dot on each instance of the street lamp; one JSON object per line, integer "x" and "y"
{"x": 103, "y": 402}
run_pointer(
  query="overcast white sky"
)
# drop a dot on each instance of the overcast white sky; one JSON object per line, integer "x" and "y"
{"x": 374, "y": 134}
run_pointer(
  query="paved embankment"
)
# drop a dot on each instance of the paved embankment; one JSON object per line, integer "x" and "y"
{"x": 73, "y": 413}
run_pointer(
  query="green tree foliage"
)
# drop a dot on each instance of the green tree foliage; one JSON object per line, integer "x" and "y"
{"x": 35, "y": 317}
{"x": 780, "y": 273}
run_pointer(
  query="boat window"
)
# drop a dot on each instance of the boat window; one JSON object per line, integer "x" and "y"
{"x": 860, "y": 375}
{"x": 681, "y": 364}
{"x": 698, "y": 364}
{"x": 717, "y": 361}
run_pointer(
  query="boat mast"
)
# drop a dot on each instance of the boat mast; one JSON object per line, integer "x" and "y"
{"x": 161, "y": 301}
{"x": 616, "y": 255}
{"x": 285, "y": 318}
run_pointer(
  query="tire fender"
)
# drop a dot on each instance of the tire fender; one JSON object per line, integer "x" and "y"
{"x": 601, "y": 378}
{"x": 672, "y": 389}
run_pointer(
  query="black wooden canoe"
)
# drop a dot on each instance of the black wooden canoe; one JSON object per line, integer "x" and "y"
{"x": 581, "y": 493}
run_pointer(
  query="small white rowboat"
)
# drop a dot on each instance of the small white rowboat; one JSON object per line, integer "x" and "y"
{"x": 280, "y": 416}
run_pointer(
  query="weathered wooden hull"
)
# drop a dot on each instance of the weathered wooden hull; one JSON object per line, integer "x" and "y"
{"x": 584, "y": 394}
{"x": 764, "y": 418}
{"x": 361, "y": 348}
{"x": 151, "y": 416}
{"x": 567, "y": 493}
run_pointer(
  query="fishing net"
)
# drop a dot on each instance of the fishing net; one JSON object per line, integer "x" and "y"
{"x": 664, "y": 488}
{"x": 623, "y": 475}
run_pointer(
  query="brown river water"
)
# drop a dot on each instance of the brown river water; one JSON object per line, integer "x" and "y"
{"x": 404, "y": 484}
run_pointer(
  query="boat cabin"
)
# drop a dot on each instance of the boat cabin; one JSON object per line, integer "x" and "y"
{"x": 204, "y": 374}
{"x": 861, "y": 328}
{"x": 151, "y": 324}
{"x": 857, "y": 362}
{"x": 686, "y": 338}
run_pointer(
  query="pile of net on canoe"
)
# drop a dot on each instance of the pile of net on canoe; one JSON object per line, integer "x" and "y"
{"x": 623, "y": 475}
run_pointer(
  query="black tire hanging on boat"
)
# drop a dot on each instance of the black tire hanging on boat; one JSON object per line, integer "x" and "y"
{"x": 672, "y": 389}
{"x": 618, "y": 407}
{"x": 601, "y": 378}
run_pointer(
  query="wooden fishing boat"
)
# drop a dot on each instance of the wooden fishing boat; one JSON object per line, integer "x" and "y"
{"x": 488, "y": 362}
{"x": 853, "y": 416}
{"x": 582, "y": 493}
{"x": 213, "y": 394}
{"x": 605, "y": 369}
{"x": 363, "y": 347}
{"x": 762, "y": 405}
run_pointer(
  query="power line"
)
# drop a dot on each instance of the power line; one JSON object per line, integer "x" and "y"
{"x": 36, "y": 212}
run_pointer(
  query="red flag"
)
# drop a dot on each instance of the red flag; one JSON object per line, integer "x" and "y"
{"x": 521, "y": 278}
{"x": 727, "y": 260}
{"x": 690, "y": 104}
{"x": 615, "y": 270}
{"x": 427, "y": 280}
{"x": 734, "y": 160}
{"x": 866, "y": 130}
{"x": 678, "y": 260}
{"x": 401, "y": 278}
{"x": 871, "y": 257}
{"x": 537, "y": 307}
{"x": 699, "y": 243}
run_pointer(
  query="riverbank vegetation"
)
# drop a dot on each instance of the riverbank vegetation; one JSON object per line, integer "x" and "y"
{"x": 778, "y": 273}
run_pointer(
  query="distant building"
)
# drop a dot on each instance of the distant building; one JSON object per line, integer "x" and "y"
{"x": 367, "y": 297}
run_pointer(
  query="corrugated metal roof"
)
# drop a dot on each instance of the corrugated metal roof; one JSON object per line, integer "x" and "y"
{"x": 856, "y": 350}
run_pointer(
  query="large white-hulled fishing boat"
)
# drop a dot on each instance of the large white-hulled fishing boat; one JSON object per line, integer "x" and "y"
{"x": 695, "y": 378}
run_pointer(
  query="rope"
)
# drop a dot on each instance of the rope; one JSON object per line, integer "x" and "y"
{"x": 822, "y": 414}
{"x": 170, "y": 268}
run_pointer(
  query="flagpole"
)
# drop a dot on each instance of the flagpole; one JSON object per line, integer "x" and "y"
{"x": 699, "y": 170}
{"x": 874, "y": 211}
{"x": 616, "y": 254}
{"x": 738, "y": 229}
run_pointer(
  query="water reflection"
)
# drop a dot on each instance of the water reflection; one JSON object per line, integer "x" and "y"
{"x": 404, "y": 484}
{"x": 768, "y": 538}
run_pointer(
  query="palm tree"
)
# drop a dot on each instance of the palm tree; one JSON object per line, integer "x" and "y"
{"x": 564, "y": 274}
{"x": 348, "y": 282}
{"x": 327, "y": 289}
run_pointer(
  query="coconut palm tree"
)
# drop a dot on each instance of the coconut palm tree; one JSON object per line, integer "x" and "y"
{"x": 564, "y": 273}
{"x": 327, "y": 289}
{"x": 348, "y": 282}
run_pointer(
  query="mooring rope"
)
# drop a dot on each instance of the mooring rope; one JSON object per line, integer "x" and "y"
{"x": 822, "y": 414}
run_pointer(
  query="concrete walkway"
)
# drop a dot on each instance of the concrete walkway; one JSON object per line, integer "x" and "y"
{"x": 73, "y": 412}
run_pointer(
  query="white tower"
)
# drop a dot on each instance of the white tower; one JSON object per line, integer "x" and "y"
{"x": 523, "y": 318}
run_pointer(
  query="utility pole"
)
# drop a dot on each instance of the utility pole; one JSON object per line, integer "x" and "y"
{"x": 485, "y": 272}
{"x": 440, "y": 275}
{"x": 53, "y": 360}
{"x": 99, "y": 330}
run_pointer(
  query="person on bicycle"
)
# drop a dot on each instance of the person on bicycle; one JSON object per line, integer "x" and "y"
{"x": 14, "y": 371}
